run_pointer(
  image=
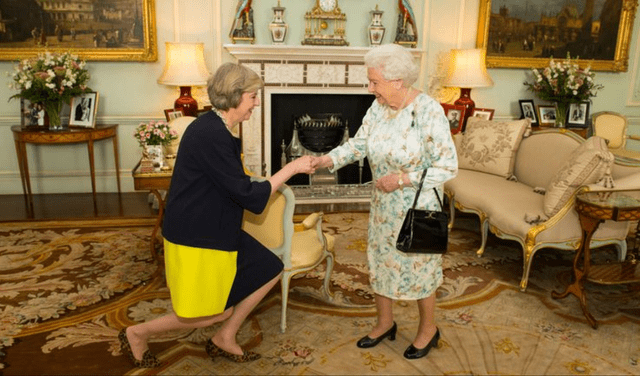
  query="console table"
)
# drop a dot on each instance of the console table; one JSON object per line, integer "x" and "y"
{"x": 594, "y": 208}
{"x": 72, "y": 135}
{"x": 154, "y": 182}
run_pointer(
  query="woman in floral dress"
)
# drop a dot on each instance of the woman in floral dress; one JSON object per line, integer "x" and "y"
{"x": 403, "y": 133}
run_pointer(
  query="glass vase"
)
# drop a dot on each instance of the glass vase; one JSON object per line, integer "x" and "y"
{"x": 52, "y": 109}
{"x": 561, "y": 114}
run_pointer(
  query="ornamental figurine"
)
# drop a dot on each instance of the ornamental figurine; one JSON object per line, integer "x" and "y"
{"x": 243, "y": 28}
{"x": 404, "y": 35}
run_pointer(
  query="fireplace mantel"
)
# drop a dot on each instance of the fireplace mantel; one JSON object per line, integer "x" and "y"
{"x": 246, "y": 52}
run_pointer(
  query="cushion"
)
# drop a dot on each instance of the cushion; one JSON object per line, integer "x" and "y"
{"x": 587, "y": 164}
{"x": 490, "y": 146}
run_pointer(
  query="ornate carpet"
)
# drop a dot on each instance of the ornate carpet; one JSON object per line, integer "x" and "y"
{"x": 67, "y": 288}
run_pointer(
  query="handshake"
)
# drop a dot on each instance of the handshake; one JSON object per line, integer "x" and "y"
{"x": 308, "y": 164}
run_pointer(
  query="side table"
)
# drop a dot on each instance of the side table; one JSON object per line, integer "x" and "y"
{"x": 154, "y": 182}
{"x": 35, "y": 135}
{"x": 594, "y": 208}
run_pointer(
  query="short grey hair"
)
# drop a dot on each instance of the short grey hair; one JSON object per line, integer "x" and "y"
{"x": 394, "y": 63}
{"x": 231, "y": 80}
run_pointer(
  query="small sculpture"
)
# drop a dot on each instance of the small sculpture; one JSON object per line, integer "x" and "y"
{"x": 243, "y": 28}
{"x": 406, "y": 17}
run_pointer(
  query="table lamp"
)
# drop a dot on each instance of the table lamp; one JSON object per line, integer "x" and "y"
{"x": 467, "y": 69}
{"x": 185, "y": 67}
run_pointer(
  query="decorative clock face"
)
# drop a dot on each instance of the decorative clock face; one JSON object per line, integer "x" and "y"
{"x": 328, "y": 5}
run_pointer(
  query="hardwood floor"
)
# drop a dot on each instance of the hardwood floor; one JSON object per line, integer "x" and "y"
{"x": 76, "y": 206}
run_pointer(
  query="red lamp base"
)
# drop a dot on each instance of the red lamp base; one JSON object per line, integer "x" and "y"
{"x": 186, "y": 102}
{"x": 466, "y": 101}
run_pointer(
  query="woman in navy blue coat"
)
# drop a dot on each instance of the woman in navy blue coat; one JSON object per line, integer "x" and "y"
{"x": 215, "y": 271}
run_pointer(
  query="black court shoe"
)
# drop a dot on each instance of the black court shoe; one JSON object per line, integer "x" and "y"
{"x": 366, "y": 341}
{"x": 414, "y": 353}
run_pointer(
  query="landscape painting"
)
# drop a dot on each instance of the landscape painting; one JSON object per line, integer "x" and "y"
{"x": 525, "y": 34}
{"x": 117, "y": 30}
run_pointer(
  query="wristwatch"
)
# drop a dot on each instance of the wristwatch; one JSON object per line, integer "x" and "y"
{"x": 400, "y": 180}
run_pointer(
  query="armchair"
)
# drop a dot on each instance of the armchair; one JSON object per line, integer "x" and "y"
{"x": 300, "y": 250}
{"x": 612, "y": 126}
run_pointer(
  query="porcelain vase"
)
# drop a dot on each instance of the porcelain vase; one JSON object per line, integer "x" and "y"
{"x": 376, "y": 29}
{"x": 155, "y": 154}
{"x": 278, "y": 27}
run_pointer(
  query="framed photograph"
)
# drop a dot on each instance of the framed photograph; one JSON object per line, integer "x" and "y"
{"x": 173, "y": 113}
{"x": 516, "y": 36}
{"x": 123, "y": 30}
{"x": 455, "y": 115}
{"x": 578, "y": 115}
{"x": 528, "y": 111}
{"x": 547, "y": 114}
{"x": 31, "y": 114}
{"x": 83, "y": 110}
{"x": 483, "y": 113}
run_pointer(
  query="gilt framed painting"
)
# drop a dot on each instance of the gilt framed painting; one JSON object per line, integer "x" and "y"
{"x": 516, "y": 35}
{"x": 123, "y": 30}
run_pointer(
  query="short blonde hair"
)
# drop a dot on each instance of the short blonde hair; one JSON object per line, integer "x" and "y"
{"x": 226, "y": 86}
{"x": 394, "y": 63}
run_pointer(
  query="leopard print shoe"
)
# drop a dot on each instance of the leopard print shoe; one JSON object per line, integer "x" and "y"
{"x": 148, "y": 360}
{"x": 213, "y": 351}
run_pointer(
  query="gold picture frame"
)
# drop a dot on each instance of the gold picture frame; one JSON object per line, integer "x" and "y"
{"x": 127, "y": 34}
{"x": 515, "y": 52}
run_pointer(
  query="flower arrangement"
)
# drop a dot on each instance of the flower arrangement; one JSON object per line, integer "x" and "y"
{"x": 564, "y": 82}
{"x": 51, "y": 79}
{"x": 155, "y": 133}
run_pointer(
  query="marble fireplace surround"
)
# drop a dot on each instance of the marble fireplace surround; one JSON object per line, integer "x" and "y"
{"x": 291, "y": 70}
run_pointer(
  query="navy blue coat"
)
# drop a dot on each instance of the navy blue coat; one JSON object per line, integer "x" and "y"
{"x": 209, "y": 188}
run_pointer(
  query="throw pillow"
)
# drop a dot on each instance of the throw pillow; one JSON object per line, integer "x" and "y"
{"x": 490, "y": 146}
{"x": 588, "y": 164}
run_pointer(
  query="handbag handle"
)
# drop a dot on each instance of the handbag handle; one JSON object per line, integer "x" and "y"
{"x": 415, "y": 200}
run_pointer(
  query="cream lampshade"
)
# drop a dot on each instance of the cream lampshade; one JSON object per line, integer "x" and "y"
{"x": 467, "y": 69}
{"x": 185, "y": 67}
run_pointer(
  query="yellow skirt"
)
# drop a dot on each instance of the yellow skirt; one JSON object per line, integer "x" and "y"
{"x": 199, "y": 279}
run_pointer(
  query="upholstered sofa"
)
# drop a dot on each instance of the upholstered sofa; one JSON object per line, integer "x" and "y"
{"x": 522, "y": 185}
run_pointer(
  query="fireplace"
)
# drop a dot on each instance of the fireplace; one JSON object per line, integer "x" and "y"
{"x": 347, "y": 110}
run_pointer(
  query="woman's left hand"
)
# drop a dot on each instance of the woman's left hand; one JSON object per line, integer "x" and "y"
{"x": 388, "y": 183}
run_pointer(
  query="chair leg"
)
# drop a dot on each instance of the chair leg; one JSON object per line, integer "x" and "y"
{"x": 327, "y": 276}
{"x": 484, "y": 231}
{"x": 284, "y": 282}
{"x": 452, "y": 212}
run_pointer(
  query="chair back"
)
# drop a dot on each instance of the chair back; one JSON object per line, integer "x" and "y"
{"x": 273, "y": 228}
{"x": 611, "y": 126}
{"x": 179, "y": 124}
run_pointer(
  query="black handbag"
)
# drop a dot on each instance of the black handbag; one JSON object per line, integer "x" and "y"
{"x": 424, "y": 231}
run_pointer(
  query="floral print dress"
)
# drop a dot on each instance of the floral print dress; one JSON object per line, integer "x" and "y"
{"x": 417, "y": 137}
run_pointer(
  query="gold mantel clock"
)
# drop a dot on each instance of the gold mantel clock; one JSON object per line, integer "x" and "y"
{"x": 324, "y": 25}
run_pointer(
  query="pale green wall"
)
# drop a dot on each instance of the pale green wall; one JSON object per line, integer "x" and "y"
{"x": 129, "y": 92}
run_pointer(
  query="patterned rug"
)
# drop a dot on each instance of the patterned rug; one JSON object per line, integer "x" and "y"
{"x": 68, "y": 288}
